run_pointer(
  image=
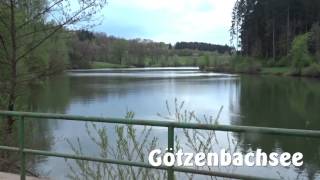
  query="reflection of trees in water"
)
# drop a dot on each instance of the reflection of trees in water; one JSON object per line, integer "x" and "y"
{"x": 51, "y": 96}
{"x": 98, "y": 87}
{"x": 101, "y": 87}
{"x": 264, "y": 101}
{"x": 286, "y": 103}
{"x": 36, "y": 136}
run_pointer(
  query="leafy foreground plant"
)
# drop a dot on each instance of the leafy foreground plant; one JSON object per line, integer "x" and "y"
{"x": 134, "y": 143}
{"x": 128, "y": 146}
{"x": 198, "y": 140}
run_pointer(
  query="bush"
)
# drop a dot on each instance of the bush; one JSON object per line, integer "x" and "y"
{"x": 284, "y": 61}
{"x": 241, "y": 64}
{"x": 248, "y": 67}
{"x": 270, "y": 63}
{"x": 232, "y": 64}
{"x": 312, "y": 71}
{"x": 293, "y": 72}
{"x": 299, "y": 53}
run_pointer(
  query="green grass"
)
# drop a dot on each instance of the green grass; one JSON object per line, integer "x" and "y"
{"x": 101, "y": 65}
{"x": 275, "y": 70}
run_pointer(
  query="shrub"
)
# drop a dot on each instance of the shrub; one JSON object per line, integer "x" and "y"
{"x": 293, "y": 72}
{"x": 299, "y": 53}
{"x": 284, "y": 61}
{"x": 241, "y": 64}
{"x": 312, "y": 71}
{"x": 270, "y": 63}
{"x": 248, "y": 67}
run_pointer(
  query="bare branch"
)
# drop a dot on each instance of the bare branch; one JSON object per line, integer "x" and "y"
{"x": 34, "y": 32}
{"x": 6, "y": 4}
{"x": 4, "y": 23}
{"x": 5, "y": 63}
{"x": 41, "y": 74}
{"x": 4, "y": 46}
{"x": 47, "y": 9}
{"x": 58, "y": 27}
{"x": 39, "y": 43}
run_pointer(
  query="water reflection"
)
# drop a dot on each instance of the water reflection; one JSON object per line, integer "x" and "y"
{"x": 249, "y": 100}
{"x": 286, "y": 103}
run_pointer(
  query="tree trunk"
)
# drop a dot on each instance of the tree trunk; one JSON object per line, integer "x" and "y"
{"x": 288, "y": 31}
{"x": 273, "y": 42}
{"x": 13, "y": 59}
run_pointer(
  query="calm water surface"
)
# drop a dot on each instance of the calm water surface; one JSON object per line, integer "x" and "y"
{"x": 246, "y": 100}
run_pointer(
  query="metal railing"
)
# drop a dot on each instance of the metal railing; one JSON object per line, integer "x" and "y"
{"x": 171, "y": 125}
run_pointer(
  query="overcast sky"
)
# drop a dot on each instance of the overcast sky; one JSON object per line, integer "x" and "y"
{"x": 169, "y": 20}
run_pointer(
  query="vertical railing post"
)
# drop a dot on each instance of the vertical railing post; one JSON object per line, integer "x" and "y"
{"x": 170, "y": 149}
{"x": 21, "y": 149}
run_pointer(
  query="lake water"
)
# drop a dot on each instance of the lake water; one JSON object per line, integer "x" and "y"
{"x": 266, "y": 101}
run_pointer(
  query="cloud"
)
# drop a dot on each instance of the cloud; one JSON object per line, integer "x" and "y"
{"x": 169, "y": 20}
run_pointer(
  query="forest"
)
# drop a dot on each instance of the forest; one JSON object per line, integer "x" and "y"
{"x": 42, "y": 42}
{"x": 41, "y": 38}
{"x": 204, "y": 47}
{"x": 280, "y": 33}
{"x": 88, "y": 49}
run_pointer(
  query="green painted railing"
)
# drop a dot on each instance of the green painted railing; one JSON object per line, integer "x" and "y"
{"x": 171, "y": 125}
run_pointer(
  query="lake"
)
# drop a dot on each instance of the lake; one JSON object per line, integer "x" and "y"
{"x": 155, "y": 93}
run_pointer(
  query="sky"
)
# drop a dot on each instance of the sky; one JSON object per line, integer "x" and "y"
{"x": 168, "y": 21}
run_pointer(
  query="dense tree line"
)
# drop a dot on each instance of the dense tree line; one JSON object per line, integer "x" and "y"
{"x": 87, "y": 47}
{"x": 203, "y": 47}
{"x": 267, "y": 28}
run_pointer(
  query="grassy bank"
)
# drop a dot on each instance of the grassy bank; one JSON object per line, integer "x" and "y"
{"x": 102, "y": 65}
{"x": 303, "y": 59}
{"x": 275, "y": 70}
{"x": 225, "y": 63}
{"x": 250, "y": 65}
{"x": 192, "y": 58}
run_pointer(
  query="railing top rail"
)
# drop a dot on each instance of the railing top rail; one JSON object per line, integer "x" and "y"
{"x": 175, "y": 124}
